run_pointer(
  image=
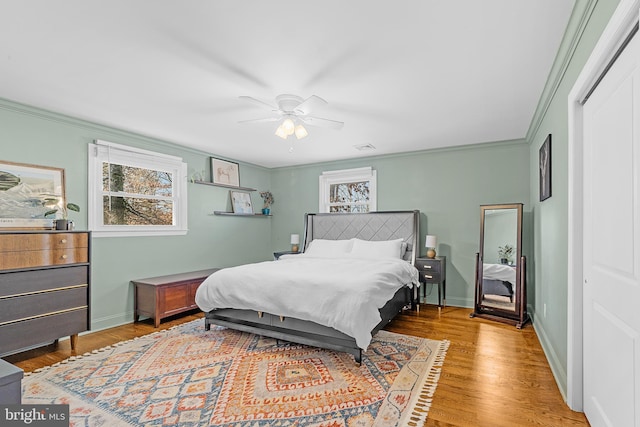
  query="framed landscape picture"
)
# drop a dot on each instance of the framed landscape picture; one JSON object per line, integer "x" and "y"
{"x": 241, "y": 202}
{"x": 27, "y": 192}
{"x": 225, "y": 172}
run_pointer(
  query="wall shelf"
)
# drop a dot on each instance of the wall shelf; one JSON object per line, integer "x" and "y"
{"x": 231, "y": 187}
{"x": 254, "y": 215}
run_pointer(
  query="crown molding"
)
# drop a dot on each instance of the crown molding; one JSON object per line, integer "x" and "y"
{"x": 582, "y": 11}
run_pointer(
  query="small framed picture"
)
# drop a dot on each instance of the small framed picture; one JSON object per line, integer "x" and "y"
{"x": 241, "y": 202}
{"x": 225, "y": 172}
{"x": 544, "y": 163}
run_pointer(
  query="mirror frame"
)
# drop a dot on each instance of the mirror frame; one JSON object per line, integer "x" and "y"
{"x": 519, "y": 316}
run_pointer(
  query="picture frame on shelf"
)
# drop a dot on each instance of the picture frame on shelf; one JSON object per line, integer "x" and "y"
{"x": 544, "y": 166}
{"x": 241, "y": 202}
{"x": 27, "y": 192}
{"x": 225, "y": 172}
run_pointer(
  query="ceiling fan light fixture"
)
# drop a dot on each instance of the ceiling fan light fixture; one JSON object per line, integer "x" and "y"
{"x": 301, "y": 132}
{"x": 281, "y": 132}
{"x": 288, "y": 126}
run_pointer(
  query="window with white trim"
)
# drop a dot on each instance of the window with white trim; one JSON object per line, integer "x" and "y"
{"x": 135, "y": 192}
{"x": 348, "y": 190}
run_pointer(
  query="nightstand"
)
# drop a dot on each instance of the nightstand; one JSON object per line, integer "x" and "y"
{"x": 277, "y": 255}
{"x": 434, "y": 270}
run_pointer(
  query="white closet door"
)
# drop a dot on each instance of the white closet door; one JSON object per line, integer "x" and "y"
{"x": 611, "y": 307}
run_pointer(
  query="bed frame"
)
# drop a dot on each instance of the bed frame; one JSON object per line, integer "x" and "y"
{"x": 334, "y": 226}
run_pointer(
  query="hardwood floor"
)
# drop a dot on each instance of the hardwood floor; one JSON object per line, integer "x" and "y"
{"x": 493, "y": 374}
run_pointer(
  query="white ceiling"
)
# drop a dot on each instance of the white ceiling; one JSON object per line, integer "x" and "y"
{"x": 403, "y": 75}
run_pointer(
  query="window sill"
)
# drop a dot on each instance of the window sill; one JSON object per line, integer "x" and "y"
{"x": 138, "y": 233}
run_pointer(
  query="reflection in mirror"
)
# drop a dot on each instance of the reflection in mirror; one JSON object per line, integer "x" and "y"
{"x": 498, "y": 263}
{"x": 500, "y": 266}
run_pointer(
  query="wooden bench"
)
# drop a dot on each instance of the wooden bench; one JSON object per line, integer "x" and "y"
{"x": 163, "y": 296}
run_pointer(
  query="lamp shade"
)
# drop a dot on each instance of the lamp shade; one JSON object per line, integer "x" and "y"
{"x": 295, "y": 239}
{"x": 301, "y": 132}
{"x": 430, "y": 241}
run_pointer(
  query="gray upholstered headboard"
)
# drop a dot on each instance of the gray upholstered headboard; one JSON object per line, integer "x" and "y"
{"x": 366, "y": 226}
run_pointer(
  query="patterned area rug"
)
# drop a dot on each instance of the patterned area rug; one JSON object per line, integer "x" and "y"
{"x": 187, "y": 376}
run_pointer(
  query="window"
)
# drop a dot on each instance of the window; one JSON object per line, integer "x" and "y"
{"x": 134, "y": 192}
{"x": 349, "y": 190}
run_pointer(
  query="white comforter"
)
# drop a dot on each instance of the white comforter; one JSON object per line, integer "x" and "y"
{"x": 502, "y": 272}
{"x": 343, "y": 293}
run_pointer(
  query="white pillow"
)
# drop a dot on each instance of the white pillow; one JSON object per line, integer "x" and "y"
{"x": 328, "y": 248}
{"x": 377, "y": 248}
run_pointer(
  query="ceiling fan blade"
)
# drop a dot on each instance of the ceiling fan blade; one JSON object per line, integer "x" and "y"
{"x": 265, "y": 120}
{"x": 309, "y": 104}
{"x": 327, "y": 123}
{"x": 259, "y": 103}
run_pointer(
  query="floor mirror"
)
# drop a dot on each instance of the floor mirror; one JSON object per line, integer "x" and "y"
{"x": 500, "y": 275}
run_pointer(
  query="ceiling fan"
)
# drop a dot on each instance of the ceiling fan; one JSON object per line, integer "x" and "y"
{"x": 292, "y": 112}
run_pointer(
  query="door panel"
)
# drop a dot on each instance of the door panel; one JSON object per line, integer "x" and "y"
{"x": 612, "y": 246}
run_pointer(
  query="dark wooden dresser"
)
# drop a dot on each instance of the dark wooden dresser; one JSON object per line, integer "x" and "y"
{"x": 44, "y": 287}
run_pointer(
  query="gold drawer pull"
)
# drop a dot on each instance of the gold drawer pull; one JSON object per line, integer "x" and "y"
{"x": 282, "y": 318}
{"x": 428, "y": 277}
{"x": 63, "y": 241}
{"x": 260, "y": 314}
{"x": 64, "y": 256}
{"x": 428, "y": 267}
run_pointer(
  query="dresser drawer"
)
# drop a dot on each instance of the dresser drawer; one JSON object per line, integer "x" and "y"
{"x": 44, "y": 241}
{"x": 16, "y": 309}
{"x": 428, "y": 265}
{"x": 43, "y": 258}
{"x": 42, "y": 330}
{"x": 429, "y": 277}
{"x": 33, "y": 281}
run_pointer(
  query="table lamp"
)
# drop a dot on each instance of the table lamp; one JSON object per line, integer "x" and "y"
{"x": 430, "y": 242}
{"x": 295, "y": 241}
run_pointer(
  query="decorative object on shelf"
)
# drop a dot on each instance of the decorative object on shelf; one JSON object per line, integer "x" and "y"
{"x": 225, "y": 172}
{"x": 197, "y": 176}
{"x": 267, "y": 197}
{"x": 430, "y": 242}
{"x": 544, "y": 163}
{"x": 241, "y": 202}
{"x": 295, "y": 243}
{"x": 58, "y": 205}
{"x": 505, "y": 253}
{"x": 25, "y": 192}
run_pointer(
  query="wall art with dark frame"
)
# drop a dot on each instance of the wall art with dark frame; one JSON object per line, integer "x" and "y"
{"x": 544, "y": 167}
{"x": 225, "y": 172}
{"x": 27, "y": 192}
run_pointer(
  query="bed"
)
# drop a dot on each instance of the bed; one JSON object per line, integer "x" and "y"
{"x": 498, "y": 279}
{"x": 337, "y": 294}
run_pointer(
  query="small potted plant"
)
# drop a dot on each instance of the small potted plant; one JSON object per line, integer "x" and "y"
{"x": 58, "y": 205}
{"x": 505, "y": 253}
{"x": 267, "y": 197}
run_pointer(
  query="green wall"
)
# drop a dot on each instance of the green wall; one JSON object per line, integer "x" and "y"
{"x": 446, "y": 186}
{"x": 551, "y": 217}
{"x": 29, "y": 135}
